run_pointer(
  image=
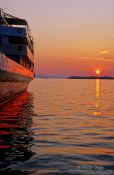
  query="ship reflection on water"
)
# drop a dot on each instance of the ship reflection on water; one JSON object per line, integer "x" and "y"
{"x": 16, "y": 138}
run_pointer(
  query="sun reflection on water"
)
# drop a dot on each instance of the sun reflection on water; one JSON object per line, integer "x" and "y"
{"x": 97, "y": 104}
{"x": 98, "y": 88}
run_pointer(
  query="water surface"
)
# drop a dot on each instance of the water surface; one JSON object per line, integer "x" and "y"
{"x": 59, "y": 127}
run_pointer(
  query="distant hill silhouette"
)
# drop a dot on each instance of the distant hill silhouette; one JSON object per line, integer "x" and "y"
{"x": 90, "y": 77}
{"x": 72, "y": 77}
{"x": 50, "y": 76}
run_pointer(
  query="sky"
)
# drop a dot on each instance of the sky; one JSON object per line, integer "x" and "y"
{"x": 71, "y": 37}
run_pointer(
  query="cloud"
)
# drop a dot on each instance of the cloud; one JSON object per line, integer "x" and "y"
{"x": 103, "y": 52}
{"x": 81, "y": 58}
{"x": 95, "y": 58}
{"x": 86, "y": 58}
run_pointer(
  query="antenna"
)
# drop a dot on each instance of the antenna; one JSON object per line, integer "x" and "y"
{"x": 2, "y": 19}
{"x": 1, "y": 12}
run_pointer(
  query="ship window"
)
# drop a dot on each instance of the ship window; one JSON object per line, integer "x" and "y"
{"x": 0, "y": 39}
{"x": 20, "y": 48}
{"x": 17, "y": 40}
{"x": 20, "y": 30}
{"x": 15, "y": 58}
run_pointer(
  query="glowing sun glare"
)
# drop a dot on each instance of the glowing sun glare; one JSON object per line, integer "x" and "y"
{"x": 98, "y": 71}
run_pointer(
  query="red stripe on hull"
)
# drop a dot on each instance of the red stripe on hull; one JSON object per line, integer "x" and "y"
{"x": 11, "y": 66}
{"x": 14, "y": 78}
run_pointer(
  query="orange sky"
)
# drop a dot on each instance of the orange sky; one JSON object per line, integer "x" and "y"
{"x": 72, "y": 37}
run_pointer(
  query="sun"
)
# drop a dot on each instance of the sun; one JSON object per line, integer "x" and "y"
{"x": 98, "y": 71}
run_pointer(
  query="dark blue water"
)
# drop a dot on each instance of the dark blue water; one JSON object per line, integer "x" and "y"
{"x": 59, "y": 127}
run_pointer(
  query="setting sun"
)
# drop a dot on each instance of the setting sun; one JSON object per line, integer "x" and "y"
{"x": 98, "y": 71}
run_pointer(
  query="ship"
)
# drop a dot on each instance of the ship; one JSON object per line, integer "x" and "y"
{"x": 16, "y": 56}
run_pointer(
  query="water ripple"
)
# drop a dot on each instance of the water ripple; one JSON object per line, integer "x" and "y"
{"x": 59, "y": 128}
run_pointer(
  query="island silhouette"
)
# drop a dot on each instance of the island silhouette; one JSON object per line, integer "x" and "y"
{"x": 90, "y": 77}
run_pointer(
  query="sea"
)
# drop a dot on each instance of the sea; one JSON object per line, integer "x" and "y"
{"x": 59, "y": 127}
